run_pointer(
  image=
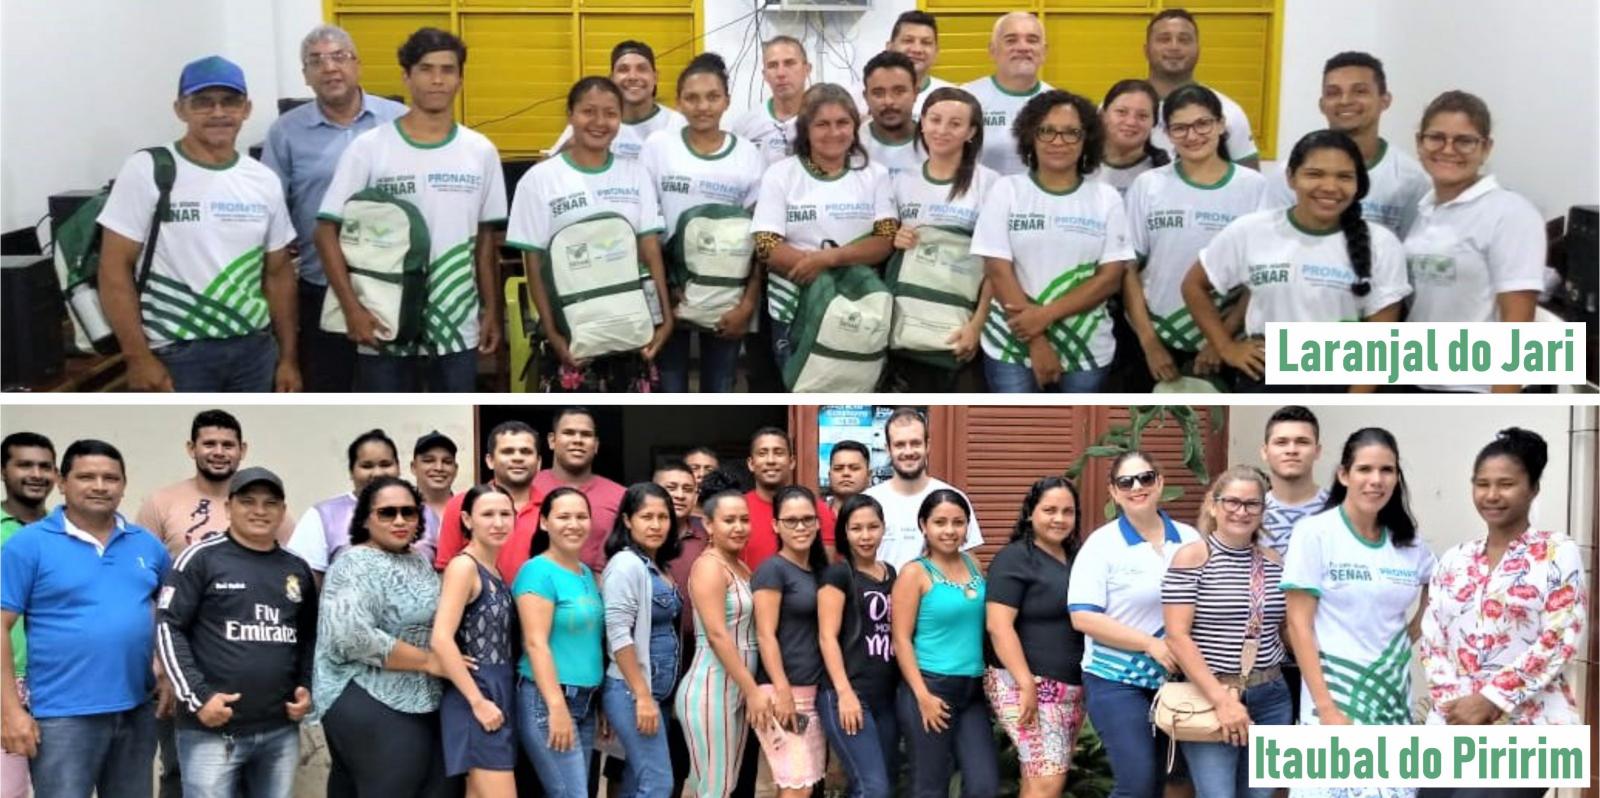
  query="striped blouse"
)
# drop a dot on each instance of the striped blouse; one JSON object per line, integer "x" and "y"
{"x": 1220, "y": 593}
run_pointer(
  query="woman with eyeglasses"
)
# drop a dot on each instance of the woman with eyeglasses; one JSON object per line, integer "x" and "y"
{"x": 1351, "y": 575}
{"x": 375, "y": 678}
{"x": 1129, "y": 115}
{"x": 718, "y": 699}
{"x": 1114, "y": 599}
{"x": 1224, "y": 614}
{"x": 1315, "y": 261}
{"x": 1054, "y": 244}
{"x": 477, "y": 619}
{"x": 937, "y": 620}
{"x": 1476, "y": 251}
{"x": 785, "y": 593}
{"x": 563, "y": 620}
{"x": 1173, "y": 213}
{"x": 1034, "y": 679}
{"x": 856, "y": 702}
{"x": 1518, "y": 584}
{"x": 823, "y": 207}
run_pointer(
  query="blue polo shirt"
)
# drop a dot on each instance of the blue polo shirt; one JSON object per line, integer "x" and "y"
{"x": 90, "y": 614}
{"x": 303, "y": 148}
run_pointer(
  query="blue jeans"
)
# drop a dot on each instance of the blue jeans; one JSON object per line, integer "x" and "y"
{"x": 564, "y": 774}
{"x": 782, "y": 346}
{"x": 453, "y": 373}
{"x": 871, "y": 756}
{"x": 719, "y": 362}
{"x": 110, "y": 755}
{"x": 1220, "y": 770}
{"x": 1017, "y": 378}
{"x": 968, "y": 741}
{"x": 260, "y": 764}
{"x": 224, "y": 365}
{"x": 1138, "y": 758}
{"x": 647, "y": 773}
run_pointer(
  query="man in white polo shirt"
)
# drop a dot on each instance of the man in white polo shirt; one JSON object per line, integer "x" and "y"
{"x": 198, "y": 319}
{"x": 1017, "y": 48}
{"x": 906, "y": 431}
{"x": 1172, "y": 49}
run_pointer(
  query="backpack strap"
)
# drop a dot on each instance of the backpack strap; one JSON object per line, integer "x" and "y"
{"x": 166, "y": 173}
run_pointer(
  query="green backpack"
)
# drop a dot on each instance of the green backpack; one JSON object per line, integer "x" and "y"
{"x": 710, "y": 257}
{"x": 840, "y": 333}
{"x": 386, "y": 246}
{"x": 935, "y": 286}
{"x": 594, "y": 278}
{"x": 77, "y": 256}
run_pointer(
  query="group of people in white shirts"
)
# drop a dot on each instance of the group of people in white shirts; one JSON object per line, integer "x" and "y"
{"x": 1151, "y": 195}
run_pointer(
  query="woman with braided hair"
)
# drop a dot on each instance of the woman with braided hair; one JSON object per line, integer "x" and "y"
{"x": 1316, "y": 261}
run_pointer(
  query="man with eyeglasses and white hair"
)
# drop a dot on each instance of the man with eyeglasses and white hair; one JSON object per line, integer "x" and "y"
{"x": 303, "y": 146}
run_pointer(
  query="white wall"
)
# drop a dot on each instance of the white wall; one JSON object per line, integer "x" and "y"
{"x": 303, "y": 444}
{"x": 116, "y": 63}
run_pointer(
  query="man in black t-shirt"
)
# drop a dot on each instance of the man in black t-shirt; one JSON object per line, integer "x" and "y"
{"x": 238, "y": 622}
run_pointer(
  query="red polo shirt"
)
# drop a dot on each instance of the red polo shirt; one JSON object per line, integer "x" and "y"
{"x": 515, "y": 551}
{"x": 763, "y": 541}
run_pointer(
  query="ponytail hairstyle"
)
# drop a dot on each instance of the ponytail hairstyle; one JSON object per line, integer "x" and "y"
{"x": 541, "y": 537}
{"x": 1357, "y": 238}
{"x": 1026, "y": 129}
{"x": 1196, "y": 94}
{"x": 1158, "y": 157}
{"x": 1525, "y": 447}
{"x": 817, "y": 555}
{"x": 811, "y": 104}
{"x": 1396, "y": 515}
{"x": 1239, "y": 473}
{"x": 707, "y": 63}
{"x": 1024, "y": 531}
{"x": 471, "y": 498}
{"x": 969, "y": 150}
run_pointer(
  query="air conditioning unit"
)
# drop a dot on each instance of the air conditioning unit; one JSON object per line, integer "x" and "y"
{"x": 819, "y": 5}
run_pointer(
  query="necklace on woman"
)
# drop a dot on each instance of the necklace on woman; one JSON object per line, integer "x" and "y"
{"x": 968, "y": 588}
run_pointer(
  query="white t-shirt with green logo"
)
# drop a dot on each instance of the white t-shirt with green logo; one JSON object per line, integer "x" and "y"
{"x": 773, "y": 137}
{"x": 631, "y": 136}
{"x": 1055, "y": 242}
{"x": 1364, "y": 593}
{"x": 1241, "y": 142}
{"x": 923, "y": 201}
{"x": 1000, "y": 109}
{"x": 1170, "y": 219}
{"x": 557, "y": 192}
{"x": 685, "y": 179}
{"x": 896, "y": 158}
{"x": 1398, "y": 183}
{"x": 1298, "y": 275}
{"x": 1121, "y": 177}
{"x": 456, "y": 184}
{"x": 205, "y": 278}
{"x": 808, "y": 211}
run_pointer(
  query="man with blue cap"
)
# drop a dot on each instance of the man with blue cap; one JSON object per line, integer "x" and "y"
{"x": 193, "y": 314}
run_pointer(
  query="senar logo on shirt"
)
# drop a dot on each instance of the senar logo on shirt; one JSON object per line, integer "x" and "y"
{"x": 183, "y": 212}
{"x": 802, "y": 213}
{"x": 1025, "y": 222}
{"x": 1263, "y": 274}
{"x": 1164, "y": 220}
{"x": 569, "y": 203}
{"x": 456, "y": 182}
{"x": 1349, "y": 572}
{"x": 994, "y": 118}
{"x": 396, "y": 185}
{"x": 675, "y": 184}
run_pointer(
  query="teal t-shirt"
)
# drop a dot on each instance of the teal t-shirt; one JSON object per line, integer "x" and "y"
{"x": 578, "y": 629}
{"x": 19, "y": 637}
{"x": 950, "y": 618}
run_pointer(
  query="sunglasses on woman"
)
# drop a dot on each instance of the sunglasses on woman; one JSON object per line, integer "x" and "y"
{"x": 1145, "y": 478}
{"x": 407, "y": 513}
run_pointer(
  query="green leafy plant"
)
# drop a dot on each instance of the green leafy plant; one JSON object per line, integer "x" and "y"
{"x": 1125, "y": 437}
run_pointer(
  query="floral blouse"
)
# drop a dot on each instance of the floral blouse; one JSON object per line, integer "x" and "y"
{"x": 1507, "y": 632}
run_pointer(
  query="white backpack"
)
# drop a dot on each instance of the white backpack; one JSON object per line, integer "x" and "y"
{"x": 593, "y": 274}
{"x": 935, "y": 286}
{"x": 385, "y": 244}
{"x": 710, "y": 255}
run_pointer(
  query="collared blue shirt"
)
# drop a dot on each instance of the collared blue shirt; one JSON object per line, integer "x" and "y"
{"x": 89, "y": 612}
{"x": 303, "y": 148}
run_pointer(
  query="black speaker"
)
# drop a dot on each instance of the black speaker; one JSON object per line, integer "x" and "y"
{"x": 1583, "y": 256}
{"x": 31, "y": 316}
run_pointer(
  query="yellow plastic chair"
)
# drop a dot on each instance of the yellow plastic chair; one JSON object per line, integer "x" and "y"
{"x": 522, "y": 325}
